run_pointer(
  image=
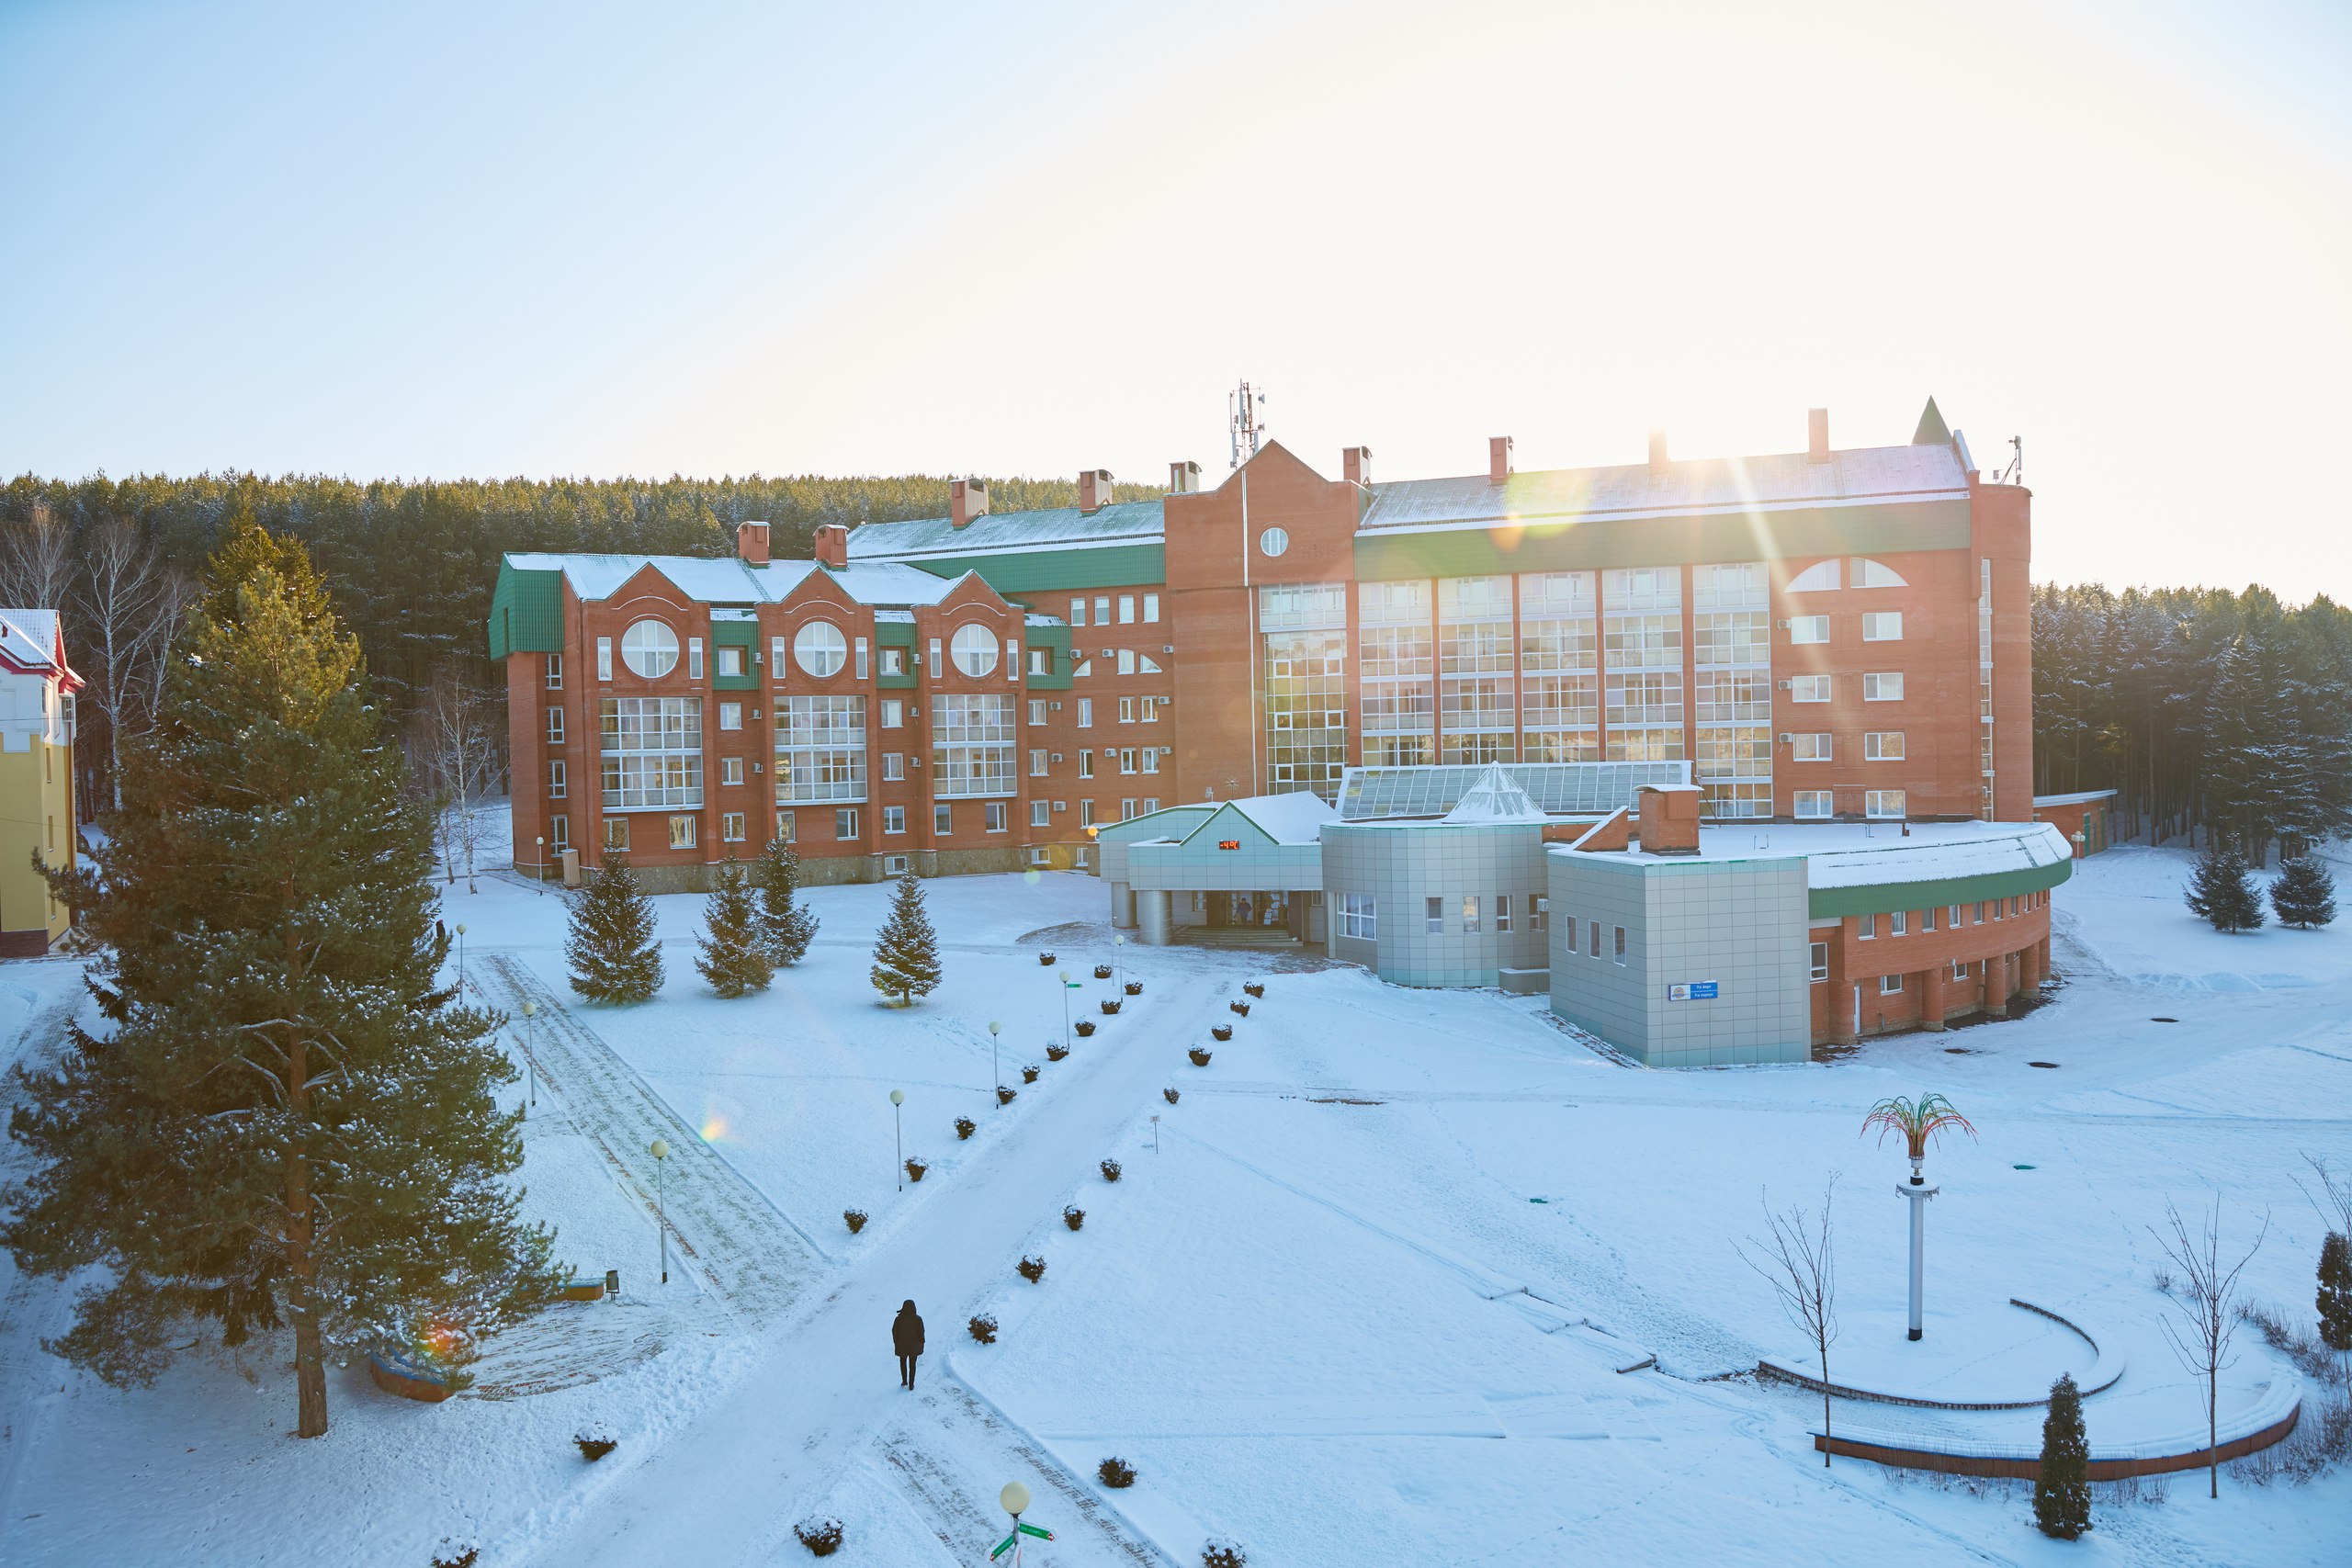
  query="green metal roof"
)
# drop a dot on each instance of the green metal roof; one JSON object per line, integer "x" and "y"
{"x": 525, "y": 612}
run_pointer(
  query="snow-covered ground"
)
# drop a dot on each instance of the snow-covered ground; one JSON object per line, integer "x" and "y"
{"x": 1360, "y": 1297}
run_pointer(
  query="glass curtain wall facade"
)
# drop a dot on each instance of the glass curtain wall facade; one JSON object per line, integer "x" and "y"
{"x": 820, "y": 749}
{"x": 1732, "y": 641}
{"x": 1559, "y": 668}
{"x": 651, "y": 752}
{"x": 1396, "y": 673}
{"x": 1642, "y": 654}
{"x": 1477, "y": 696}
{"x": 1302, "y": 636}
{"x": 972, "y": 741}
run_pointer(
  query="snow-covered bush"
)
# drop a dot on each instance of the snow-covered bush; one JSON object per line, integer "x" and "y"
{"x": 821, "y": 1537}
{"x": 1199, "y": 1055}
{"x": 916, "y": 1166}
{"x": 1255, "y": 988}
{"x": 1110, "y": 1007}
{"x": 1031, "y": 1268}
{"x": 1044, "y": 961}
{"x": 1110, "y": 1170}
{"x": 1029, "y": 1074}
{"x": 1239, "y": 1006}
{"x": 1116, "y": 1472}
{"x": 855, "y": 1219}
{"x": 1221, "y": 1552}
{"x": 1055, "y": 1053}
{"x": 456, "y": 1551}
{"x": 596, "y": 1442}
{"x": 1085, "y": 1026}
{"x": 1102, "y": 970}
{"x": 1171, "y": 1092}
{"x": 1135, "y": 987}
{"x": 1073, "y": 1216}
{"x": 1006, "y": 1095}
{"x": 1220, "y": 1031}
{"x": 966, "y": 1126}
{"x": 983, "y": 1328}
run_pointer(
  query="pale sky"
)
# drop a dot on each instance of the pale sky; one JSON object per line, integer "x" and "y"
{"x": 707, "y": 239}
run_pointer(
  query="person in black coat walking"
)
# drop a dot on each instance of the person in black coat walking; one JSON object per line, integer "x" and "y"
{"x": 906, "y": 1337}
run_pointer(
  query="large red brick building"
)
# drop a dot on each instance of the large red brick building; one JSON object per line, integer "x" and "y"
{"x": 1823, "y": 635}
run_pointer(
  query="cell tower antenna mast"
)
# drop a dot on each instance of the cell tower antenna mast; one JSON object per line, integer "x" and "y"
{"x": 1243, "y": 406}
{"x": 2015, "y": 472}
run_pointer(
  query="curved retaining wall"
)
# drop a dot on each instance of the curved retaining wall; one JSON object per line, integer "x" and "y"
{"x": 2099, "y": 1380}
{"x": 2271, "y": 1420}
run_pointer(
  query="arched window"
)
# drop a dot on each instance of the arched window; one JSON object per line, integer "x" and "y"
{"x": 649, "y": 649}
{"x": 974, "y": 647}
{"x": 819, "y": 648}
{"x": 1820, "y": 575}
{"x": 1868, "y": 573}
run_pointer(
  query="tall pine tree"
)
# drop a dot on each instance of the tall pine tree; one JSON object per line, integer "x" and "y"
{"x": 2221, "y": 890}
{"x": 2303, "y": 894}
{"x": 906, "y": 955}
{"x": 733, "y": 956}
{"x": 785, "y": 925}
{"x": 612, "y": 950}
{"x": 290, "y": 1120}
{"x": 2062, "y": 1490}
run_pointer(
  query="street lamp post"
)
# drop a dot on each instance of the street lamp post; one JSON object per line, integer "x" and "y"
{"x": 996, "y": 1074}
{"x": 530, "y": 1061}
{"x": 1061, "y": 978}
{"x": 898, "y": 1133}
{"x": 1015, "y": 1501}
{"x": 539, "y": 867}
{"x": 461, "y": 959}
{"x": 1119, "y": 960}
{"x": 659, "y": 1150}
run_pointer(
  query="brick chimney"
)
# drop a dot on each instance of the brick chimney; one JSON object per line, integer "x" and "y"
{"x": 752, "y": 543}
{"x": 1183, "y": 478}
{"x": 1657, "y": 448}
{"x": 1355, "y": 465}
{"x": 1498, "y": 458}
{"x": 967, "y": 499}
{"x": 832, "y": 547}
{"x": 1817, "y": 435}
{"x": 1093, "y": 489}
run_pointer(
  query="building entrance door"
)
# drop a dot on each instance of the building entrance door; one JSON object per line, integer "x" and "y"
{"x": 1249, "y": 911}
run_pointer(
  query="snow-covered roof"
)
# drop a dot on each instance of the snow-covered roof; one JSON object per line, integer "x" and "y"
{"x": 1296, "y": 818}
{"x": 2080, "y": 797}
{"x": 1858, "y": 854}
{"x": 33, "y": 642}
{"x": 729, "y": 580}
{"x": 1861, "y": 476}
{"x": 1495, "y": 796}
{"x": 1052, "y": 528}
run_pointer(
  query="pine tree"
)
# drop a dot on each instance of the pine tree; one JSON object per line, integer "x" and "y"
{"x": 2335, "y": 1292}
{"x": 289, "y": 1122}
{"x": 733, "y": 956}
{"x": 906, "y": 955}
{"x": 612, "y": 950}
{"x": 2061, "y": 1492}
{"x": 785, "y": 925}
{"x": 2303, "y": 895}
{"x": 2222, "y": 890}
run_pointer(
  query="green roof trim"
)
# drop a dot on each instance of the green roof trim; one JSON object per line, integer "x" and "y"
{"x": 1032, "y": 571}
{"x": 1932, "y": 431}
{"x": 1884, "y": 897}
{"x": 1060, "y": 666}
{"x": 1878, "y": 528}
{"x": 525, "y": 613}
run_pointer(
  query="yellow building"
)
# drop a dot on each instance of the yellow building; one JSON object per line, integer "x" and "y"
{"x": 37, "y": 688}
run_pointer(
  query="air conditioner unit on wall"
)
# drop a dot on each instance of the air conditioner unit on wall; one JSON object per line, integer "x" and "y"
{"x": 1784, "y": 685}
{"x": 1167, "y": 647}
{"x": 1167, "y": 750}
{"x": 1057, "y": 756}
{"x": 1786, "y": 738}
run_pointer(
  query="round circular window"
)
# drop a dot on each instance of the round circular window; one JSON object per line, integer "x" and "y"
{"x": 649, "y": 649}
{"x": 1274, "y": 541}
{"x": 819, "y": 648}
{"x": 975, "y": 649}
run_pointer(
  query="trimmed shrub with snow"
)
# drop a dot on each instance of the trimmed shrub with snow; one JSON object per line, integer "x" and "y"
{"x": 916, "y": 1166}
{"x": 1073, "y": 1216}
{"x": 1116, "y": 1473}
{"x": 1199, "y": 1055}
{"x": 855, "y": 1219}
{"x": 1255, "y": 988}
{"x": 983, "y": 1328}
{"x": 1220, "y": 1031}
{"x": 596, "y": 1442}
{"x": 1221, "y": 1552}
{"x": 966, "y": 1126}
{"x": 1044, "y": 961}
{"x": 1171, "y": 1092}
{"x": 1055, "y": 1053}
{"x": 1110, "y": 1006}
{"x": 1239, "y": 1007}
{"x": 1110, "y": 1170}
{"x": 1085, "y": 1026}
{"x": 1031, "y": 1268}
{"x": 821, "y": 1537}
{"x": 454, "y": 1554}
{"x": 1005, "y": 1095}
{"x": 1102, "y": 970}
{"x": 1135, "y": 987}
{"x": 1029, "y": 1074}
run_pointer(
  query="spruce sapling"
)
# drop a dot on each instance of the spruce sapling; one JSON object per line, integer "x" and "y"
{"x": 2304, "y": 894}
{"x": 611, "y": 949}
{"x": 734, "y": 956}
{"x": 787, "y": 926}
{"x": 906, "y": 955}
{"x": 2062, "y": 1491}
{"x": 2222, "y": 891}
{"x": 2335, "y": 1292}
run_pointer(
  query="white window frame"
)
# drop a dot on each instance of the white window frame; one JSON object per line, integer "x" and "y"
{"x": 1882, "y": 626}
{"x": 1433, "y": 916}
{"x": 894, "y": 820}
{"x": 1890, "y": 984}
{"x": 604, "y": 658}
{"x": 1359, "y": 916}
{"x": 1813, "y": 746}
{"x": 731, "y": 769}
{"x": 555, "y": 727}
{"x": 1817, "y": 954}
{"x": 1808, "y": 688}
{"x": 556, "y": 779}
{"x": 731, "y": 716}
{"x": 1805, "y": 797}
{"x": 1807, "y": 629}
{"x": 1887, "y": 805}
{"x": 1882, "y": 686}
{"x": 1882, "y": 746}
{"x": 555, "y": 671}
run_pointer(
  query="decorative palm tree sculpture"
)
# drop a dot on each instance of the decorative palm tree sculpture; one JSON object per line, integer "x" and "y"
{"x": 1918, "y": 1121}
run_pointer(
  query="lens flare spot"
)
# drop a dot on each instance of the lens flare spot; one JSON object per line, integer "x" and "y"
{"x": 1031, "y": 876}
{"x": 713, "y": 1128}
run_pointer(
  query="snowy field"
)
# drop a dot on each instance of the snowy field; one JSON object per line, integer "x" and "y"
{"x": 1361, "y": 1297}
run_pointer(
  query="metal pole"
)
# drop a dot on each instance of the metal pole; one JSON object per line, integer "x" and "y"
{"x": 1918, "y": 1195}
{"x": 899, "y": 1139}
{"x": 661, "y": 1211}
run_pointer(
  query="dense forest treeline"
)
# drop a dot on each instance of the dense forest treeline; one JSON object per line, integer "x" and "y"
{"x": 2209, "y": 710}
{"x": 2229, "y": 713}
